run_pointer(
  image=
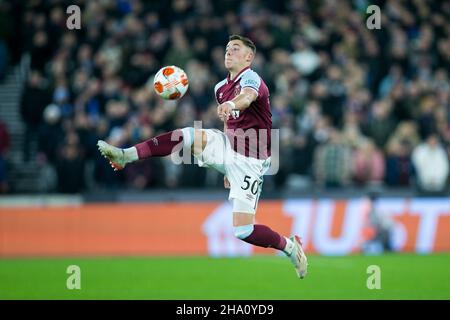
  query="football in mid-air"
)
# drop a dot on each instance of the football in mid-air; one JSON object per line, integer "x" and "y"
{"x": 171, "y": 82}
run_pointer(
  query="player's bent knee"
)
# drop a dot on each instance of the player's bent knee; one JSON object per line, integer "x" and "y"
{"x": 188, "y": 137}
{"x": 242, "y": 232}
{"x": 199, "y": 141}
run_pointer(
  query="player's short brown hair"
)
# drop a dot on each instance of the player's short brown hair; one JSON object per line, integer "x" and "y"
{"x": 247, "y": 42}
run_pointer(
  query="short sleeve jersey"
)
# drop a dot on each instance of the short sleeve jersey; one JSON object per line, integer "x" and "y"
{"x": 250, "y": 131}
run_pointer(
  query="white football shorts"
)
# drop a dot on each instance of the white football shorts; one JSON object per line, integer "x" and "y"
{"x": 245, "y": 174}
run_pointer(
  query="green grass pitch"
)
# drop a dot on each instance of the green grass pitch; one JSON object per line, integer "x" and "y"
{"x": 403, "y": 276}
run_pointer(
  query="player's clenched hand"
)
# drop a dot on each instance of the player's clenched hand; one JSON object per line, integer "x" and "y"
{"x": 226, "y": 183}
{"x": 224, "y": 111}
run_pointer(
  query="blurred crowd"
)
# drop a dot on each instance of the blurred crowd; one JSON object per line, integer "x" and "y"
{"x": 354, "y": 106}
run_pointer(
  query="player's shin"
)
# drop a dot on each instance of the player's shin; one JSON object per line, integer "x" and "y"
{"x": 263, "y": 236}
{"x": 161, "y": 145}
{"x": 256, "y": 234}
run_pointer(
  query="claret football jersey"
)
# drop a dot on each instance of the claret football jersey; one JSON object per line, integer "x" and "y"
{"x": 250, "y": 131}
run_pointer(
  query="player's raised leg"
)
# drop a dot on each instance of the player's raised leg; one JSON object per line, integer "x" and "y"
{"x": 263, "y": 236}
{"x": 159, "y": 146}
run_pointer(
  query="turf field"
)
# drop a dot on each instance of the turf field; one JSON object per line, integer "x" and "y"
{"x": 403, "y": 276}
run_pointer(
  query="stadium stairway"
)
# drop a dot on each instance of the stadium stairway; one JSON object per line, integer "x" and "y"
{"x": 22, "y": 176}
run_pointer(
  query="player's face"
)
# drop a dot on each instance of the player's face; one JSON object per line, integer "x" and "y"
{"x": 236, "y": 55}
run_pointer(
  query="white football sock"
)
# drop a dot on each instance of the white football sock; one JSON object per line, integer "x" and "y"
{"x": 289, "y": 246}
{"x": 130, "y": 154}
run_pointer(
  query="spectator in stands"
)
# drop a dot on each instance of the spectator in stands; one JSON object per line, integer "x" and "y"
{"x": 368, "y": 164}
{"x": 41, "y": 49}
{"x": 331, "y": 92}
{"x": 432, "y": 165}
{"x": 4, "y": 147}
{"x": 399, "y": 168}
{"x": 3, "y": 59}
{"x": 405, "y": 133}
{"x": 35, "y": 98}
{"x": 394, "y": 77}
{"x": 442, "y": 123}
{"x": 304, "y": 58}
{"x": 426, "y": 117}
{"x": 351, "y": 132}
{"x": 50, "y": 134}
{"x": 70, "y": 165}
{"x": 332, "y": 162}
{"x": 380, "y": 123}
{"x": 303, "y": 142}
{"x": 306, "y": 121}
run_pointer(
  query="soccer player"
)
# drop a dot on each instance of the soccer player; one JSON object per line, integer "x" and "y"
{"x": 241, "y": 152}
